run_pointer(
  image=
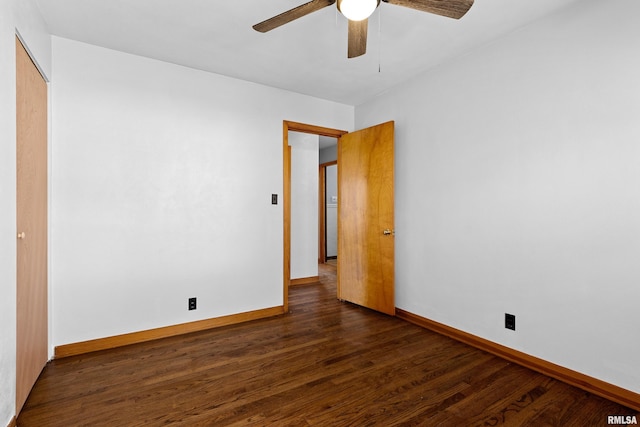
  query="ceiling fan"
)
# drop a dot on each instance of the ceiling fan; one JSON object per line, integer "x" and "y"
{"x": 358, "y": 12}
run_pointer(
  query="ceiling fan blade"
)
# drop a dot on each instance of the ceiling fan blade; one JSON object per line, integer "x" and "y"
{"x": 357, "y": 38}
{"x": 449, "y": 8}
{"x": 291, "y": 15}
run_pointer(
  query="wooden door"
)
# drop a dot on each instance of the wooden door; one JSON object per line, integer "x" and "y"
{"x": 31, "y": 166}
{"x": 366, "y": 218}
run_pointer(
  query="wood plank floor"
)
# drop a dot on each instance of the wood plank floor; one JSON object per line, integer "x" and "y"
{"x": 326, "y": 363}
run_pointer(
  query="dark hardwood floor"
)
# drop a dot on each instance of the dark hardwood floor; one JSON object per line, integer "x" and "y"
{"x": 326, "y": 363}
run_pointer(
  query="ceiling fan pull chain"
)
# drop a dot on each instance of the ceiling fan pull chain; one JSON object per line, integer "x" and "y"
{"x": 379, "y": 39}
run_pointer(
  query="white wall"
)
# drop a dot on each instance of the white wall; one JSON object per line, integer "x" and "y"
{"x": 20, "y": 15}
{"x": 517, "y": 190}
{"x": 304, "y": 204}
{"x": 162, "y": 182}
{"x": 329, "y": 154}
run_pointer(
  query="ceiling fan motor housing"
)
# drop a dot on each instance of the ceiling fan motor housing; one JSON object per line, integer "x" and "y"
{"x": 357, "y": 10}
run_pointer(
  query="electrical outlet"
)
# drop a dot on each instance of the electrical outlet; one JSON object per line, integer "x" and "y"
{"x": 192, "y": 303}
{"x": 510, "y": 321}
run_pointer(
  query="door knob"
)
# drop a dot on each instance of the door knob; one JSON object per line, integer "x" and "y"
{"x": 21, "y": 235}
{"x": 388, "y": 232}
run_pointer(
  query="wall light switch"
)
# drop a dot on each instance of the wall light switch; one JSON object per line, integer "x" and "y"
{"x": 274, "y": 199}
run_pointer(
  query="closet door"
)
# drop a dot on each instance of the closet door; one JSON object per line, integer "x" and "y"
{"x": 31, "y": 166}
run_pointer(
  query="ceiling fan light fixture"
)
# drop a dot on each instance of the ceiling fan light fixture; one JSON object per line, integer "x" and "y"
{"x": 357, "y": 10}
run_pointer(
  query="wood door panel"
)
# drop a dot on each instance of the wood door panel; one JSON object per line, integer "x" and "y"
{"x": 366, "y": 209}
{"x": 31, "y": 221}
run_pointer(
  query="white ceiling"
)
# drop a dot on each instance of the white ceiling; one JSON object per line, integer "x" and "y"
{"x": 307, "y": 56}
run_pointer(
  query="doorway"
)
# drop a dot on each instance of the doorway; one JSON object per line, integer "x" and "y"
{"x": 328, "y": 212}
{"x": 366, "y": 227}
{"x": 304, "y": 207}
{"x": 302, "y": 128}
